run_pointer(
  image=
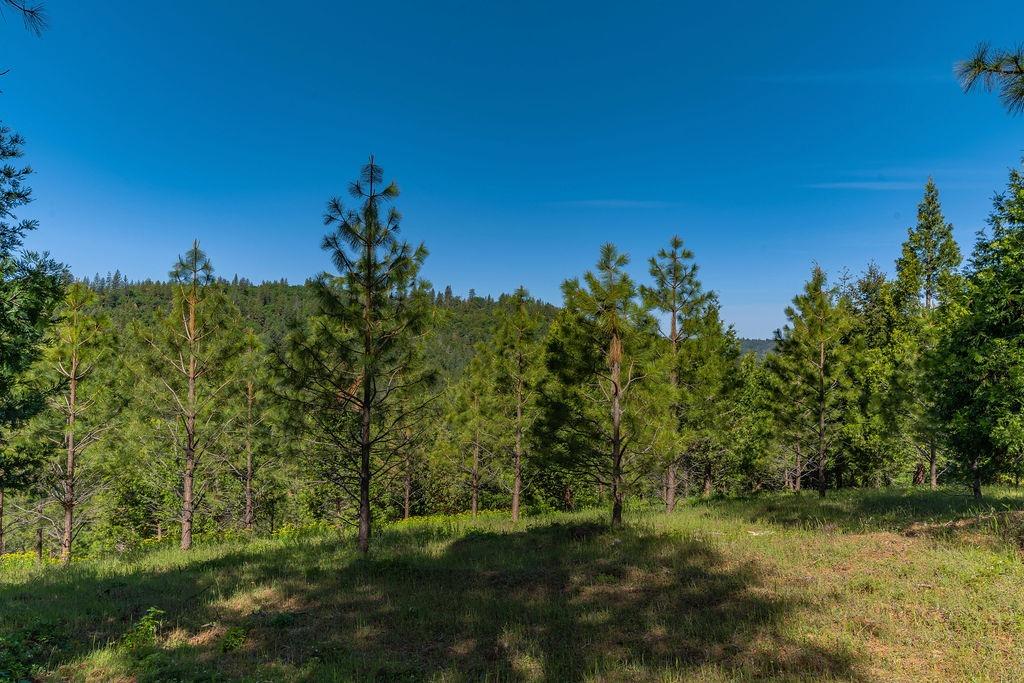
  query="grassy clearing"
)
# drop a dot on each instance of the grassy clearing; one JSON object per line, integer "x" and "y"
{"x": 864, "y": 586}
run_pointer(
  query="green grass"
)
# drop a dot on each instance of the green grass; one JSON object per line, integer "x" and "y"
{"x": 865, "y": 586}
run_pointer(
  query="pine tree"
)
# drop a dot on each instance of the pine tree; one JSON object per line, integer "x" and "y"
{"x": 977, "y": 368}
{"x": 926, "y": 273}
{"x": 253, "y": 428}
{"x": 350, "y": 366}
{"x": 519, "y": 357}
{"x": 191, "y": 353}
{"x": 473, "y": 423}
{"x": 710, "y": 383}
{"x": 1001, "y": 70}
{"x": 85, "y": 406}
{"x": 809, "y": 370}
{"x": 31, "y": 285}
{"x": 875, "y": 447}
{"x": 677, "y": 294}
{"x": 594, "y": 415}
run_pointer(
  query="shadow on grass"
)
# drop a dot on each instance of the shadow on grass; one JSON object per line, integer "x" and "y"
{"x": 555, "y": 603}
{"x": 866, "y": 510}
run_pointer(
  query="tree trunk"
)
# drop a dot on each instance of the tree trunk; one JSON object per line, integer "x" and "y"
{"x": 364, "y": 477}
{"x": 67, "y": 534}
{"x": 670, "y": 488}
{"x": 188, "y": 476}
{"x": 249, "y": 516}
{"x": 615, "y": 358}
{"x": 475, "y": 478}
{"x": 3, "y": 541}
{"x": 822, "y": 450}
{"x": 933, "y": 462}
{"x": 187, "y": 498}
{"x": 798, "y": 473}
{"x": 517, "y": 463}
{"x": 976, "y": 479}
{"x": 407, "y": 488}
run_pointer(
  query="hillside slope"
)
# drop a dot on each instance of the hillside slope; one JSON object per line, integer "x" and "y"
{"x": 865, "y": 586}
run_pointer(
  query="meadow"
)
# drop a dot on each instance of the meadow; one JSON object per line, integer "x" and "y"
{"x": 868, "y": 585}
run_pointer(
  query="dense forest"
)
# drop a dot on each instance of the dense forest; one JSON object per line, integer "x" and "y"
{"x": 139, "y": 412}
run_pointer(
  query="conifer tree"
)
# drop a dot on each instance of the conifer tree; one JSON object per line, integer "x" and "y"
{"x": 1001, "y": 70}
{"x": 190, "y": 359}
{"x": 809, "y": 371}
{"x": 875, "y": 446}
{"x": 252, "y": 423}
{"x": 926, "y": 273}
{"x": 978, "y": 365}
{"x": 85, "y": 406}
{"x": 710, "y": 383}
{"x": 594, "y": 415}
{"x": 30, "y": 287}
{"x": 473, "y": 423}
{"x": 519, "y": 357}
{"x": 351, "y": 365}
{"x": 676, "y": 294}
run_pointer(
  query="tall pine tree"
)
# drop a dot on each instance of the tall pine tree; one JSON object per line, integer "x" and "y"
{"x": 351, "y": 365}
{"x": 31, "y": 285}
{"x": 595, "y": 417}
{"x": 926, "y": 274}
{"x": 809, "y": 370}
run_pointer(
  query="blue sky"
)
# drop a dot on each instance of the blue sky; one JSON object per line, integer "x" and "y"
{"x": 523, "y": 135}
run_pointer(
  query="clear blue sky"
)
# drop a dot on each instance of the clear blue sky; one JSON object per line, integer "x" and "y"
{"x": 523, "y": 135}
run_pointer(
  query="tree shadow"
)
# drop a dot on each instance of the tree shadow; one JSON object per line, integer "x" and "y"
{"x": 553, "y": 603}
{"x": 865, "y": 510}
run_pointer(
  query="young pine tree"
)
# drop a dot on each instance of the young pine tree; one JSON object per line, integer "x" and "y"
{"x": 710, "y": 383}
{"x": 251, "y": 446}
{"x": 85, "y": 406}
{"x": 809, "y": 372}
{"x": 676, "y": 294}
{"x": 977, "y": 368}
{"x": 192, "y": 349}
{"x": 31, "y": 285}
{"x": 473, "y": 424}
{"x": 595, "y": 418}
{"x": 519, "y": 358}
{"x": 350, "y": 367}
{"x": 926, "y": 274}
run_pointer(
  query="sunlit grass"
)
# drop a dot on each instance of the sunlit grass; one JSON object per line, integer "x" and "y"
{"x": 867, "y": 585}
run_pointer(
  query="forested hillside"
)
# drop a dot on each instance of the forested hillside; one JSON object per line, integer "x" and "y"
{"x": 189, "y": 407}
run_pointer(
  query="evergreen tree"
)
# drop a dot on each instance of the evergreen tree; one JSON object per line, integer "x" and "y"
{"x": 191, "y": 349}
{"x": 519, "y": 357}
{"x": 978, "y": 366}
{"x": 473, "y": 424}
{"x": 874, "y": 448}
{"x": 85, "y": 406}
{"x": 30, "y": 287}
{"x": 594, "y": 414}
{"x": 351, "y": 365}
{"x": 710, "y": 383}
{"x": 926, "y": 273}
{"x": 809, "y": 372}
{"x": 252, "y": 447}
{"x": 676, "y": 294}
{"x": 1001, "y": 70}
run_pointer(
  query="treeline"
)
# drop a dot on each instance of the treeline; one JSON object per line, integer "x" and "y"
{"x": 132, "y": 412}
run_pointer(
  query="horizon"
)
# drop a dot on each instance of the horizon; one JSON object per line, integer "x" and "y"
{"x": 523, "y": 139}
